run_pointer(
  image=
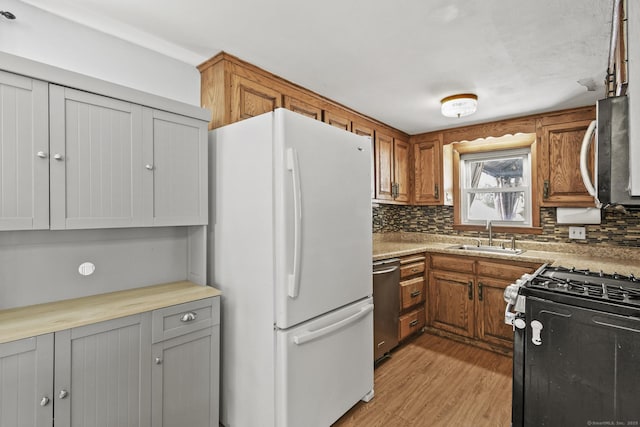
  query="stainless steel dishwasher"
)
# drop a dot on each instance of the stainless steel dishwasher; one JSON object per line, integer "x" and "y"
{"x": 386, "y": 303}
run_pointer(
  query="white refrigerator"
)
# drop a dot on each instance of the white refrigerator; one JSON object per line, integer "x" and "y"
{"x": 290, "y": 248}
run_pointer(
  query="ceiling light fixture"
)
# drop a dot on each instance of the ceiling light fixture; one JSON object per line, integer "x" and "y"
{"x": 7, "y": 15}
{"x": 460, "y": 105}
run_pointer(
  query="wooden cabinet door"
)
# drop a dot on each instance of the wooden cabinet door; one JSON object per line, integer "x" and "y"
{"x": 427, "y": 157}
{"x": 366, "y": 130}
{"x": 26, "y": 382}
{"x": 175, "y": 169}
{"x": 450, "y": 300}
{"x": 401, "y": 169}
{"x": 24, "y": 144}
{"x": 102, "y": 373}
{"x": 250, "y": 98}
{"x": 562, "y": 183}
{"x": 384, "y": 166}
{"x": 338, "y": 120}
{"x": 302, "y": 107}
{"x": 490, "y": 312}
{"x": 96, "y": 157}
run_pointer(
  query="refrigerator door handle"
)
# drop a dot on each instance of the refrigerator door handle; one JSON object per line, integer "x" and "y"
{"x": 294, "y": 277}
{"x": 318, "y": 333}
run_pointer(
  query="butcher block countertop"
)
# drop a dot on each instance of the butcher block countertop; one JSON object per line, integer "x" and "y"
{"x": 24, "y": 322}
{"x": 608, "y": 258}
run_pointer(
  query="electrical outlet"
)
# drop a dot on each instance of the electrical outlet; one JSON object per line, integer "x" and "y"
{"x": 577, "y": 233}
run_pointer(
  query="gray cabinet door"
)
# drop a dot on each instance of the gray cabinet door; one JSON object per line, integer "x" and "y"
{"x": 26, "y": 382}
{"x": 102, "y": 374}
{"x": 24, "y": 148}
{"x": 96, "y": 167}
{"x": 185, "y": 380}
{"x": 176, "y": 161}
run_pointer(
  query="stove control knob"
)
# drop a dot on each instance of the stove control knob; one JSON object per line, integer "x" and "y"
{"x": 519, "y": 323}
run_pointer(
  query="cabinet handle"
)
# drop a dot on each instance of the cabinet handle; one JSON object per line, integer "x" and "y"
{"x": 415, "y": 293}
{"x": 41, "y": 154}
{"x": 413, "y": 323}
{"x": 63, "y": 394}
{"x": 188, "y": 317}
{"x": 436, "y": 191}
{"x": 157, "y": 361}
{"x": 149, "y": 167}
{"x": 545, "y": 189}
{"x": 44, "y": 401}
{"x": 470, "y": 289}
{"x": 58, "y": 156}
{"x": 479, "y": 291}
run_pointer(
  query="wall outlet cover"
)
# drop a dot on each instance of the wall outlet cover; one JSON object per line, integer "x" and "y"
{"x": 579, "y": 233}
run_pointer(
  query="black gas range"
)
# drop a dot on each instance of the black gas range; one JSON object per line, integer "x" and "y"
{"x": 576, "y": 348}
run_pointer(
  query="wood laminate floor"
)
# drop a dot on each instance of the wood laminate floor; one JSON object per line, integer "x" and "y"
{"x": 433, "y": 381}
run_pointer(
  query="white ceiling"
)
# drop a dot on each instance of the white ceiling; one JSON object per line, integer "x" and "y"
{"x": 390, "y": 60}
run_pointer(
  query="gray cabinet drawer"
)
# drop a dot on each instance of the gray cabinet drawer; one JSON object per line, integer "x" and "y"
{"x": 181, "y": 319}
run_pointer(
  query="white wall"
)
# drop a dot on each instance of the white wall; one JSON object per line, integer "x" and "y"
{"x": 48, "y": 38}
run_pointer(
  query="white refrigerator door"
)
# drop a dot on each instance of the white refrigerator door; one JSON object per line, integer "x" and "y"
{"x": 322, "y": 218}
{"x": 324, "y": 367}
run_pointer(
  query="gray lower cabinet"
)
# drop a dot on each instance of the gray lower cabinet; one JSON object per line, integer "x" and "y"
{"x": 185, "y": 375}
{"x": 26, "y": 382}
{"x": 102, "y": 374}
{"x": 158, "y": 368}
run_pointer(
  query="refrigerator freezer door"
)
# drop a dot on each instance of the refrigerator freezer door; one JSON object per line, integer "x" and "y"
{"x": 324, "y": 366}
{"x": 322, "y": 218}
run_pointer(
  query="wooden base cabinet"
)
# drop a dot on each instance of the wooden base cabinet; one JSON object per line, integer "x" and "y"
{"x": 466, "y": 297}
{"x": 412, "y": 295}
{"x": 158, "y": 368}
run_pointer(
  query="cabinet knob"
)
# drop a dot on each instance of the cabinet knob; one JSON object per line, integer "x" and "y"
{"x": 44, "y": 401}
{"x": 188, "y": 317}
{"x": 149, "y": 167}
{"x": 157, "y": 361}
{"x": 41, "y": 154}
{"x": 63, "y": 394}
{"x": 57, "y": 156}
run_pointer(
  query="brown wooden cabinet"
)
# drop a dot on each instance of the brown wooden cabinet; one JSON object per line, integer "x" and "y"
{"x": 412, "y": 295}
{"x": 250, "y": 98}
{"x": 392, "y": 168}
{"x": 301, "y": 107}
{"x": 427, "y": 172}
{"x": 465, "y": 298}
{"x": 335, "y": 118}
{"x": 559, "y": 159}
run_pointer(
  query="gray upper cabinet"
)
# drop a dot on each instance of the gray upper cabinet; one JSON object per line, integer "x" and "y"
{"x": 175, "y": 160}
{"x": 101, "y": 374}
{"x": 26, "y": 382}
{"x": 96, "y": 161}
{"x": 24, "y": 144}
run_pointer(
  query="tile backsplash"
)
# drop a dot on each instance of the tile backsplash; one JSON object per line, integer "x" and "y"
{"x": 617, "y": 228}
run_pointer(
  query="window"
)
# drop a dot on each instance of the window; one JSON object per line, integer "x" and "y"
{"x": 495, "y": 182}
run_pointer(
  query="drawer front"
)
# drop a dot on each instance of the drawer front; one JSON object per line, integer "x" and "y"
{"x": 181, "y": 319}
{"x": 504, "y": 271}
{"x": 412, "y": 269}
{"x": 411, "y": 323}
{"x": 411, "y": 292}
{"x": 443, "y": 262}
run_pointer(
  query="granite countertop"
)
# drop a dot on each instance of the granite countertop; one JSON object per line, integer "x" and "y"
{"x": 608, "y": 258}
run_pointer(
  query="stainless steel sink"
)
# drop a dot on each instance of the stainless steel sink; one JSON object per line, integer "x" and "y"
{"x": 490, "y": 249}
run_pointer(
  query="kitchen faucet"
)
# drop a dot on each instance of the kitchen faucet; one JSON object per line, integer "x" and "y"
{"x": 490, "y": 232}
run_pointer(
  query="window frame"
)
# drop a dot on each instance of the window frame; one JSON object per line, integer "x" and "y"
{"x": 484, "y": 146}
